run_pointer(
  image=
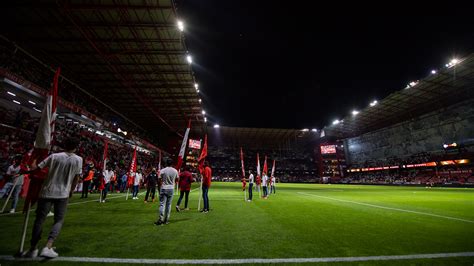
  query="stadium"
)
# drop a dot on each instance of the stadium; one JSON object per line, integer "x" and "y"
{"x": 123, "y": 90}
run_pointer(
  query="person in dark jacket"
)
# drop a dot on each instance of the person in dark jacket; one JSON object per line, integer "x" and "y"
{"x": 151, "y": 182}
{"x": 185, "y": 180}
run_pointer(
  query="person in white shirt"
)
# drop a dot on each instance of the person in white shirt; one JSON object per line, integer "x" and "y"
{"x": 136, "y": 183}
{"x": 168, "y": 177}
{"x": 264, "y": 185}
{"x": 17, "y": 181}
{"x": 65, "y": 169}
{"x": 108, "y": 174}
{"x": 251, "y": 180}
{"x": 272, "y": 185}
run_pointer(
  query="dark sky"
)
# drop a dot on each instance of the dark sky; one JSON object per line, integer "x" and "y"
{"x": 296, "y": 65}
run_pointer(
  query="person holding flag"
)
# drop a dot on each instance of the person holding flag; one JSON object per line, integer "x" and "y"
{"x": 265, "y": 179}
{"x": 108, "y": 174}
{"x": 251, "y": 180}
{"x": 185, "y": 180}
{"x": 136, "y": 183}
{"x": 65, "y": 169}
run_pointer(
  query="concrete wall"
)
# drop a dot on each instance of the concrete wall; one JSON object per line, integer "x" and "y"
{"x": 424, "y": 134}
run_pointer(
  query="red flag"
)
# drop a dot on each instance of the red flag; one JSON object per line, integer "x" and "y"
{"x": 242, "y": 162}
{"x": 133, "y": 168}
{"x": 102, "y": 184}
{"x": 273, "y": 168}
{"x": 183, "y": 146}
{"x": 265, "y": 167}
{"x": 203, "y": 155}
{"x": 106, "y": 151}
{"x": 42, "y": 144}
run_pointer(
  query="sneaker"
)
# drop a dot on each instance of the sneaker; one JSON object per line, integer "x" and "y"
{"x": 12, "y": 211}
{"x": 206, "y": 211}
{"x": 30, "y": 253}
{"x": 48, "y": 253}
{"x": 186, "y": 209}
{"x": 177, "y": 209}
{"x": 249, "y": 200}
{"x": 50, "y": 214}
{"x": 145, "y": 201}
{"x": 158, "y": 222}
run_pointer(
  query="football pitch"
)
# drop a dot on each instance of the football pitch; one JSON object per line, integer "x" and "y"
{"x": 301, "y": 223}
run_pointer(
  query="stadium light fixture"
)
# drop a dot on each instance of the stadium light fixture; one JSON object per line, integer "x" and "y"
{"x": 196, "y": 86}
{"x": 33, "y": 103}
{"x": 189, "y": 59}
{"x": 453, "y": 62}
{"x": 355, "y": 112}
{"x": 305, "y": 130}
{"x": 125, "y": 133}
{"x": 203, "y": 112}
{"x": 197, "y": 91}
{"x": 11, "y": 93}
{"x": 17, "y": 102}
{"x": 119, "y": 130}
{"x": 314, "y": 130}
{"x": 413, "y": 83}
{"x": 37, "y": 110}
{"x": 433, "y": 71}
{"x": 180, "y": 25}
{"x": 205, "y": 119}
{"x": 373, "y": 103}
{"x": 217, "y": 126}
{"x": 335, "y": 122}
{"x": 200, "y": 100}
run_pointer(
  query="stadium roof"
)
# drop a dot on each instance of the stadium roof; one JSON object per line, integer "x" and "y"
{"x": 270, "y": 138}
{"x": 444, "y": 87}
{"x": 129, "y": 54}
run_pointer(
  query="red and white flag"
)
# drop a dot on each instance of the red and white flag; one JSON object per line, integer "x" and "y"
{"x": 203, "y": 155}
{"x": 265, "y": 166}
{"x": 104, "y": 157}
{"x": 183, "y": 147}
{"x": 273, "y": 168}
{"x": 258, "y": 165}
{"x": 133, "y": 168}
{"x": 42, "y": 145}
{"x": 242, "y": 162}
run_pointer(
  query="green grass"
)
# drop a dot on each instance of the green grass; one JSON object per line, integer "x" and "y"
{"x": 294, "y": 223}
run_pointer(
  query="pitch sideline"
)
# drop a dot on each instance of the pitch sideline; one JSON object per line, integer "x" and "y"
{"x": 389, "y": 208}
{"x": 248, "y": 261}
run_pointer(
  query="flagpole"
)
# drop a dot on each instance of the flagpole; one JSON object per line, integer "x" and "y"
{"x": 9, "y": 195}
{"x": 200, "y": 194}
{"x": 25, "y": 227}
{"x": 245, "y": 194}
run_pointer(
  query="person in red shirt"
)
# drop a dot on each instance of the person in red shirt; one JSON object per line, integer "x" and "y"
{"x": 185, "y": 180}
{"x": 206, "y": 184}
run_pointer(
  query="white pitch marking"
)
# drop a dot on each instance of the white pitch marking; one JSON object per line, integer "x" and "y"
{"x": 247, "y": 261}
{"x": 390, "y": 208}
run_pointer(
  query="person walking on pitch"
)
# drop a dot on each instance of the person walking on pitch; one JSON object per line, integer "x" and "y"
{"x": 185, "y": 180}
{"x": 87, "y": 181}
{"x": 65, "y": 169}
{"x": 108, "y": 174}
{"x": 151, "y": 182}
{"x": 136, "y": 184}
{"x": 168, "y": 176}
{"x": 251, "y": 180}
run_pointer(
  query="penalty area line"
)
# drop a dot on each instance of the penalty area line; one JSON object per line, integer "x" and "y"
{"x": 247, "y": 261}
{"x": 389, "y": 208}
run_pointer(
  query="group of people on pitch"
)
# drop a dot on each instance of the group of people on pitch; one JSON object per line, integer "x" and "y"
{"x": 64, "y": 173}
{"x": 263, "y": 182}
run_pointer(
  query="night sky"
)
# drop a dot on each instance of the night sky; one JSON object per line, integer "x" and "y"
{"x": 296, "y": 65}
